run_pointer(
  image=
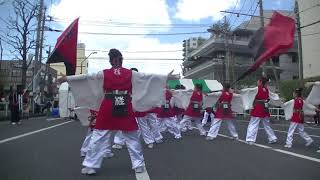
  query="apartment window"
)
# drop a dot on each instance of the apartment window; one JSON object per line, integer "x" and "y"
{"x": 15, "y": 73}
{"x": 295, "y": 77}
{"x": 294, "y": 58}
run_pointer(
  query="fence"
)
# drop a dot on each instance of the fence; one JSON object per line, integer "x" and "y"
{"x": 275, "y": 113}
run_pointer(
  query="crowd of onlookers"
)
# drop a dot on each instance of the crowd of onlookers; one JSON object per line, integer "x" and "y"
{"x": 19, "y": 104}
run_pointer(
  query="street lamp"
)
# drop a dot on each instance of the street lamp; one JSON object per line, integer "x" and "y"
{"x": 86, "y": 59}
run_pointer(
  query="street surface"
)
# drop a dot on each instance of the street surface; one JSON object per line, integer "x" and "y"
{"x": 40, "y": 149}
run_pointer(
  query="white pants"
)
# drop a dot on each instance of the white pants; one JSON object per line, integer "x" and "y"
{"x": 85, "y": 144}
{"x": 299, "y": 126}
{"x": 145, "y": 130}
{"x": 152, "y": 118}
{"x": 253, "y": 128}
{"x": 101, "y": 141}
{"x": 119, "y": 139}
{"x": 206, "y": 116}
{"x": 187, "y": 121}
{"x": 215, "y": 126}
{"x": 170, "y": 124}
{"x": 161, "y": 125}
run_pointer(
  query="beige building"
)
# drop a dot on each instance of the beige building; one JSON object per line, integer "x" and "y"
{"x": 82, "y": 65}
{"x": 310, "y": 13}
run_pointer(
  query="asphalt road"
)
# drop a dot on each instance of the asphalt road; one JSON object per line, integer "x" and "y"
{"x": 54, "y": 154}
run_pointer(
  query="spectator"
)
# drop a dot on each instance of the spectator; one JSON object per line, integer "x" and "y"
{"x": 317, "y": 118}
{"x": 14, "y": 106}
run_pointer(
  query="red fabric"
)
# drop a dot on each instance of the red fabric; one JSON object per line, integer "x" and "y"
{"x": 196, "y": 96}
{"x": 225, "y": 97}
{"x": 66, "y": 47}
{"x": 166, "y": 113}
{"x": 116, "y": 79}
{"x": 140, "y": 114}
{"x": 296, "y": 116}
{"x": 276, "y": 38}
{"x": 258, "y": 109}
{"x": 209, "y": 110}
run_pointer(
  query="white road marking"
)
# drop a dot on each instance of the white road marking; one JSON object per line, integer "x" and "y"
{"x": 32, "y": 132}
{"x": 284, "y": 125}
{"x": 277, "y": 150}
{"x": 294, "y": 133}
{"x": 143, "y": 176}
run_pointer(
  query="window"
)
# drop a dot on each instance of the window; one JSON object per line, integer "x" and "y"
{"x": 294, "y": 58}
{"x": 295, "y": 77}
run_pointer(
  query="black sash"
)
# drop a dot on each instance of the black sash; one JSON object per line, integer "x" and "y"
{"x": 120, "y": 101}
{"x": 195, "y": 105}
{"x": 264, "y": 103}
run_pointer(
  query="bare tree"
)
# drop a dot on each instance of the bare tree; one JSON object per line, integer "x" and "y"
{"x": 21, "y": 32}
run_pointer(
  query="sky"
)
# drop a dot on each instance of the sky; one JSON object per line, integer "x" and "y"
{"x": 148, "y": 53}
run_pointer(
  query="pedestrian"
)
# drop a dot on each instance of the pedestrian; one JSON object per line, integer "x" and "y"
{"x": 14, "y": 106}
{"x": 121, "y": 91}
{"x": 193, "y": 111}
{"x": 258, "y": 99}
{"x": 295, "y": 111}
{"x": 316, "y": 117}
{"x": 225, "y": 104}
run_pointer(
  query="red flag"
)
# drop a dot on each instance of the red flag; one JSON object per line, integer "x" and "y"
{"x": 272, "y": 40}
{"x": 66, "y": 48}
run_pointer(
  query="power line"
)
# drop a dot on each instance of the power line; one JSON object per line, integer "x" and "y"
{"x": 307, "y": 9}
{"x": 133, "y": 26}
{"x": 151, "y": 51}
{"x": 233, "y": 10}
{"x": 138, "y": 59}
{"x": 316, "y": 22}
{"x": 250, "y": 19}
{"x": 133, "y": 34}
{"x": 134, "y": 23}
{"x": 237, "y": 15}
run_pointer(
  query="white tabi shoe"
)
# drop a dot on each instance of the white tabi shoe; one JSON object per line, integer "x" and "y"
{"x": 288, "y": 146}
{"x": 203, "y": 134}
{"x": 184, "y": 129}
{"x": 235, "y": 138}
{"x": 178, "y": 137}
{"x": 88, "y": 171}
{"x": 139, "y": 169}
{"x": 209, "y": 138}
{"x": 318, "y": 151}
{"x": 150, "y": 146}
{"x": 250, "y": 143}
{"x": 108, "y": 155}
{"x": 309, "y": 143}
{"x": 272, "y": 141}
{"x": 117, "y": 146}
{"x": 159, "y": 141}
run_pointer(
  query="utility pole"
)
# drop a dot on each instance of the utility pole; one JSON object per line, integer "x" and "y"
{"x": 262, "y": 25}
{"x": 42, "y": 35}
{"x": 296, "y": 10}
{"x": 227, "y": 56}
{"x": 38, "y": 41}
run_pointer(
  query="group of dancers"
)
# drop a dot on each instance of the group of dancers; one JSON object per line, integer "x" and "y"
{"x": 124, "y": 105}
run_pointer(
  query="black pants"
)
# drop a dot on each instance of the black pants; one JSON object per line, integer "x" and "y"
{"x": 15, "y": 117}
{"x": 317, "y": 119}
